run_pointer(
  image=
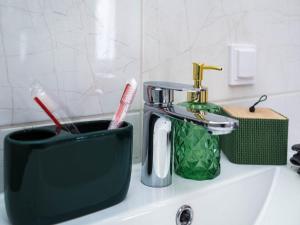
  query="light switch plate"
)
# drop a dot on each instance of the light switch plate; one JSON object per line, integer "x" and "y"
{"x": 242, "y": 62}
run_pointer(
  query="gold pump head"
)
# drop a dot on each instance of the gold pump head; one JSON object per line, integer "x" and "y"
{"x": 201, "y": 95}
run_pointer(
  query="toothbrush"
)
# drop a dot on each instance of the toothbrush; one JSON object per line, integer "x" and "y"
{"x": 48, "y": 112}
{"x": 125, "y": 102}
{"x": 53, "y": 108}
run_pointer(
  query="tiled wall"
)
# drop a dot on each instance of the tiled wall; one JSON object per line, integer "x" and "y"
{"x": 178, "y": 32}
{"x": 81, "y": 51}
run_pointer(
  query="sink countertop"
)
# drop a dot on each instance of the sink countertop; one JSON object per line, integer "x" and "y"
{"x": 281, "y": 208}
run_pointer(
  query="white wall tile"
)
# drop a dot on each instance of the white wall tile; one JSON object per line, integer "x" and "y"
{"x": 72, "y": 48}
{"x": 6, "y": 116}
{"x": 200, "y": 31}
{"x": 23, "y": 71}
{"x": 25, "y": 115}
{"x": 23, "y": 32}
{"x": 6, "y": 98}
{"x": 3, "y": 72}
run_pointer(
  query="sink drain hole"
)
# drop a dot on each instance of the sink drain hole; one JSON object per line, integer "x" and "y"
{"x": 184, "y": 215}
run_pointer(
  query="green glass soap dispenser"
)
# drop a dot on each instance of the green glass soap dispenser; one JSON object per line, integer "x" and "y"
{"x": 197, "y": 152}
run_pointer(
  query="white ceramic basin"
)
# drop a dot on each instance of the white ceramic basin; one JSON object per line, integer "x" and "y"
{"x": 237, "y": 202}
{"x": 236, "y": 197}
{"x": 241, "y": 195}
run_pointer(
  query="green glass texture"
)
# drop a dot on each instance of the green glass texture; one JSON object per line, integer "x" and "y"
{"x": 197, "y": 153}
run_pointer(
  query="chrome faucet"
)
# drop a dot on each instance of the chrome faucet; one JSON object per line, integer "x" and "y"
{"x": 157, "y": 129}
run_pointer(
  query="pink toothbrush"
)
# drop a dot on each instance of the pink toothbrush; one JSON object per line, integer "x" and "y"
{"x": 125, "y": 102}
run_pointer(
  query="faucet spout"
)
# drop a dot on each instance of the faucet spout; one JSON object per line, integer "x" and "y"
{"x": 157, "y": 129}
{"x": 215, "y": 124}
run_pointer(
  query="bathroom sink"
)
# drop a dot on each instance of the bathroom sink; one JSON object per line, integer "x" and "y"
{"x": 240, "y": 195}
{"x": 236, "y": 197}
{"x": 237, "y": 202}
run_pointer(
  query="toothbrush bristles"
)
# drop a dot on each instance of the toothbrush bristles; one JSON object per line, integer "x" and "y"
{"x": 125, "y": 102}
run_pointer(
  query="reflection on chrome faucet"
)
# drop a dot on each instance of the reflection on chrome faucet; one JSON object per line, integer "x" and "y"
{"x": 157, "y": 130}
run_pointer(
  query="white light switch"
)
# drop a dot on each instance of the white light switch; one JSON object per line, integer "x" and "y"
{"x": 242, "y": 64}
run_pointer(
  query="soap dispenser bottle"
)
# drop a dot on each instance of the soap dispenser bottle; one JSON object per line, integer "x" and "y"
{"x": 197, "y": 152}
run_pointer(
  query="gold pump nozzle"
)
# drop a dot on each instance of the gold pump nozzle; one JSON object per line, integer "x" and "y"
{"x": 198, "y": 71}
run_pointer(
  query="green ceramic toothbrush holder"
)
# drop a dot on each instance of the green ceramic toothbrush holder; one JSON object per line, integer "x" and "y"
{"x": 51, "y": 178}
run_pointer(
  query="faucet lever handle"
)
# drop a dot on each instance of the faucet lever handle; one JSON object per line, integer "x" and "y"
{"x": 161, "y": 92}
{"x": 168, "y": 85}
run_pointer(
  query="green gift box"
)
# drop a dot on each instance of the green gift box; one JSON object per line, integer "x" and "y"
{"x": 260, "y": 139}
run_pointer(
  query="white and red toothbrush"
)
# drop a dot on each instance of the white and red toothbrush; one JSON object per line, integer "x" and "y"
{"x": 125, "y": 102}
